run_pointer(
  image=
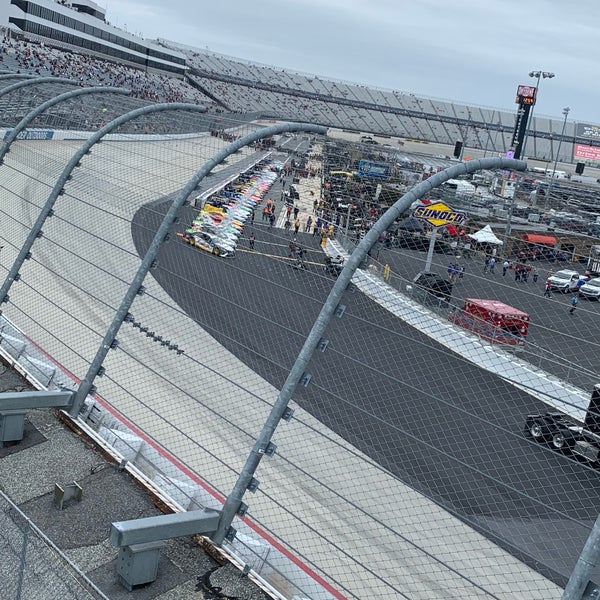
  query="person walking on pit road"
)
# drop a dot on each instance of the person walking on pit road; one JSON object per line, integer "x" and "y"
{"x": 308, "y": 223}
{"x": 547, "y": 290}
{"x": 574, "y": 301}
{"x": 251, "y": 241}
{"x": 505, "y": 266}
{"x": 317, "y": 226}
{"x": 296, "y": 225}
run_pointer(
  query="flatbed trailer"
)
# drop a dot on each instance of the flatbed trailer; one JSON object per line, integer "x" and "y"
{"x": 566, "y": 434}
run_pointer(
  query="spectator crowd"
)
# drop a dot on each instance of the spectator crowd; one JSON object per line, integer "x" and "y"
{"x": 26, "y": 56}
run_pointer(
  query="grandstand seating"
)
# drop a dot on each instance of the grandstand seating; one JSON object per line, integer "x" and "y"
{"x": 225, "y": 83}
{"x": 390, "y": 112}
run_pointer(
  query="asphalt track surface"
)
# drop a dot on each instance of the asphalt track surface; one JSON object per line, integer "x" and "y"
{"x": 553, "y": 333}
{"x": 394, "y": 393}
{"x": 347, "y": 519}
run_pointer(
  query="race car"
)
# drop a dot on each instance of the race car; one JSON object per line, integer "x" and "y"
{"x": 209, "y": 243}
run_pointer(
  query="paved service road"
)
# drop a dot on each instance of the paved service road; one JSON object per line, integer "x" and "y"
{"x": 445, "y": 426}
{"x": 553, "y": 339}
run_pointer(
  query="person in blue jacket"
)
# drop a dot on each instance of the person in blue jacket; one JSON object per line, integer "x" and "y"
{"x": 574, "y": 301}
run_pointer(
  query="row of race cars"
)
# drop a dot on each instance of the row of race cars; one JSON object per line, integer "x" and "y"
{"x": 220, "y": 222}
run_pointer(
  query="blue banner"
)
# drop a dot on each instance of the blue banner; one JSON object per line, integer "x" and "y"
{"x": 367, "y": 168}
{"x": 32, "y": 134}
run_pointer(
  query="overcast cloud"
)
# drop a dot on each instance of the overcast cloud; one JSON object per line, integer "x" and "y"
{"x": 472, "y": 51}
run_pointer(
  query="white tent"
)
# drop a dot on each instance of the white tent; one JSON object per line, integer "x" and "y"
{"x": 485, "y": 236}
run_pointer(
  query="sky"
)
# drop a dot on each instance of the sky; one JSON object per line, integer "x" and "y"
{"x": 471, "y": 51}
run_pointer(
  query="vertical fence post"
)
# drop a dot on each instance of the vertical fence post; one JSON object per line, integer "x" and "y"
{"x": 578, "y": 583}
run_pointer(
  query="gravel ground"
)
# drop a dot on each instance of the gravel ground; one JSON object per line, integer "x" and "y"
{"x": 52, "y": 453}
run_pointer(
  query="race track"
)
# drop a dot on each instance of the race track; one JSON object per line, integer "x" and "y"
{"x": 334, "y": 495}
{"x": 415, "y": 417}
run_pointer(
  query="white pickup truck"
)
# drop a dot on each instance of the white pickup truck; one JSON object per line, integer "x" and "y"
{"x": 566, "y": 281}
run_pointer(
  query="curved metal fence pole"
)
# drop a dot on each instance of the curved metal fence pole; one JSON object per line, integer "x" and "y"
{"x": 8, "y": 75}
{"x": 32, "y": 114}
{"x": 29, "y": 81}
{"x": 58, "y": 189}
{"x": 234, "y": 500}
{"x": 109, "y": 341}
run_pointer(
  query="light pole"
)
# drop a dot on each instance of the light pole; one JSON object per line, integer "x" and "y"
{"x": 565, "y": 112}
{"x": 538, "y": 75}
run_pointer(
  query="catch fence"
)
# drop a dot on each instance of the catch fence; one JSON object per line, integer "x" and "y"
{"x": 403, "y": 472}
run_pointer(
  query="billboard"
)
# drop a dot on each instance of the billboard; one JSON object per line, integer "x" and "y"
{"x": 591, "y": 132}
{"x": 367, "y": 168}
{"x": 585, "y": 152}
{"x": 526, "y": 94}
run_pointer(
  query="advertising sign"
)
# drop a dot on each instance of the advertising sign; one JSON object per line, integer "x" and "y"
{"x": 526, "y": 94}
{"x": 367, "y": 168}
{"x": 32, "y": 134}
{"x": 586, "y": 152}
{"x": 439, "y": 214}
{"x": 588, "y": 131}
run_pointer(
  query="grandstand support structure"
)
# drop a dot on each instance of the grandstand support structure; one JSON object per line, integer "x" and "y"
{"x": 30, "y": 116}
{"x": 135, "y": 288}
{"x": 47, "y": 210}
{"x": 331, "y": 307}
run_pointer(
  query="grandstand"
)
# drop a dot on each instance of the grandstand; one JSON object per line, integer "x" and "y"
{"x": 232, "y": 84}
{"x": 127, "y": 185}
{"x": 287, "y": 95}
{"x": 82, "y": 26}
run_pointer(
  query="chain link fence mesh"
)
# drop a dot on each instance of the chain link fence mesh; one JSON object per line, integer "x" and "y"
{"x": 31, "y": 567}
{"x": 404, "y": 471}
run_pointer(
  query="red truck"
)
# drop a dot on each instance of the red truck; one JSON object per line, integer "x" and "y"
{"x": 493, "y": 320}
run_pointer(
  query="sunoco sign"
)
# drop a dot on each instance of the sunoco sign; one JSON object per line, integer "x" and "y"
{"x": 440, "y": 214}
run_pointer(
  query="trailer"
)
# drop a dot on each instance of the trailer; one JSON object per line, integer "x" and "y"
{"x": 493, "y": 320}
{"x": 593, "y": 264}
{"x": 566, "y": 434}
